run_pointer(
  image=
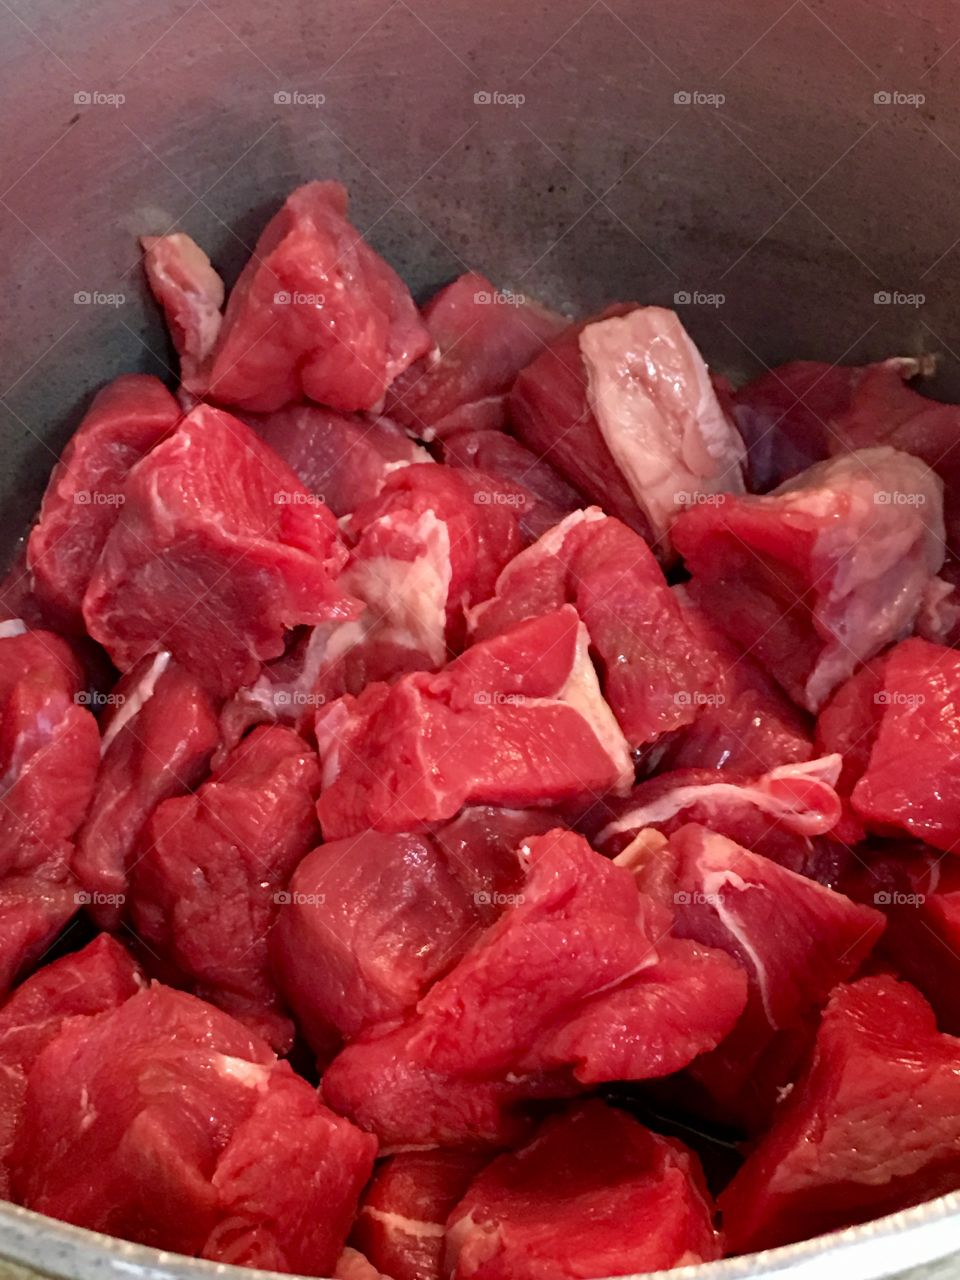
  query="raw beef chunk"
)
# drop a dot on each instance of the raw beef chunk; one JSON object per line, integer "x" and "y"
{"x": 516, "y": 720}
{"x": 624, "y": 408}
{"x": 86, "y": 490}
{"x": 822, "y": 574}
{"x": 213, "y": 869}
{"x": 316, "y": 314}
{"x": 654, "y": 672}
{"x": 192, "y": 1137}
{"x": 873, "y": 1126}
{"x": 482, "y": 339}
{"x": 217, "y": 550}
{"x": 594, "y": 1194}
{"x": 157, "y": 744}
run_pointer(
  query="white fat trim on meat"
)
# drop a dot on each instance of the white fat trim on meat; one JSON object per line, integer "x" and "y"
{"x": 826, "y": 769}
{"x": 251, "y": 1074}
{"x": 397, "y": 1222}
{"x": 714, "y": 883}
{"x": 12, "y": 627}
{"x": 651, "y": 395}
{"x": 581, "y": 690}
{"x": 135, "y": 702}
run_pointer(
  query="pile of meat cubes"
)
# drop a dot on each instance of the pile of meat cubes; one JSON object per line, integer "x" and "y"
{"x": 480, "y": 794}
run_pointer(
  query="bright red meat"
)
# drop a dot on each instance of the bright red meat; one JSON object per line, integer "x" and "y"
{"x": 192, "y": 1137}
{"x": 85, "y": 493}
{"x": 316, "y": 314}
{"x": 516, "y": 720}
{"x": 217, "y": 550}
{"x": 594, "y": 1194}
{"x": 873, "y": 1126}
{"x": 212, "y": 871}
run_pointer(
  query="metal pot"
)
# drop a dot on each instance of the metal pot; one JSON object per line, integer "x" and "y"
{"x": 778, "y": 171}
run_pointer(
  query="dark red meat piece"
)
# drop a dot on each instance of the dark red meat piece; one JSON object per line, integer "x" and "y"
{"x": 157, "y": 744}
{"x": 213, "y": 868}
{"x": 85, "y": 493}
{"x": 517, "y": 720}
{"x": 192, "y": 1138}
{"x": 594, "y": 1194}
{"x": 316, "y": 314}
{"x": 482, "y": 339}
{"x": 872, "y": 1127}
{"x": 217, "y": 550}
{"x": 343, "y": 459}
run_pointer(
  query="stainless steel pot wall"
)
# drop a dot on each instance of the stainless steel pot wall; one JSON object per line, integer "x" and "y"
{"x": 781, "y": 170}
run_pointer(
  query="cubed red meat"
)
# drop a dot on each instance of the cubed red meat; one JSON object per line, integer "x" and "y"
{"x": 217, "y": 550}
{"x": 624, "y": 408}
{"x": 157, "y": 744}
{"x": 316, "y": 314}
{"x": 85, "y": 493}
{"x": 872, "y": 1127}
{"x": 654, "y": 673}
{"x": 517, "y": 720}
{"x": 822, "y": 574}
{"x": 212, "y": 870}
{"x": 594, "y": 1194}
{"x": 192, "y": 1137}
{"x": 482, "y": 338}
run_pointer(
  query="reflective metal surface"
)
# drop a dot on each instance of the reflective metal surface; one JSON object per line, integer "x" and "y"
{"x": 782, "y": 171}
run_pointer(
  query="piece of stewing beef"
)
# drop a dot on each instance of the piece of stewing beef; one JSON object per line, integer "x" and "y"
{"x": 545, "y": 496}
{"x": 211, "y": 872}
{"x": 873, "y": 1125}
{"x": 594, "y": 1193}
{"x": 85, "y": 491}
{"x": 192, "y": 1137}
{"x": 191, "y": 294}
{"x": 157, "y": 742}
{"x": 99, "y": 977}
{"x": 482, "y": 338}
{"x": 654, "y": 672}
{"x": 402, "y": 1220}
{"x": 517, "y": 720}
{"x": 370, "y": 921}
{"x": 623, "y": 406}
{"x": 795, "y": 938}
{"x": 343, "y": 459}
{"x": 824, "y": 572}
{"x": 579, "y": 982}
{"x": 315, "y": 315}
{"x": 217, "y": 551}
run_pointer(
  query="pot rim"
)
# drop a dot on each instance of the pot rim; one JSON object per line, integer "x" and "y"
{"x": 879, "y": 1250}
